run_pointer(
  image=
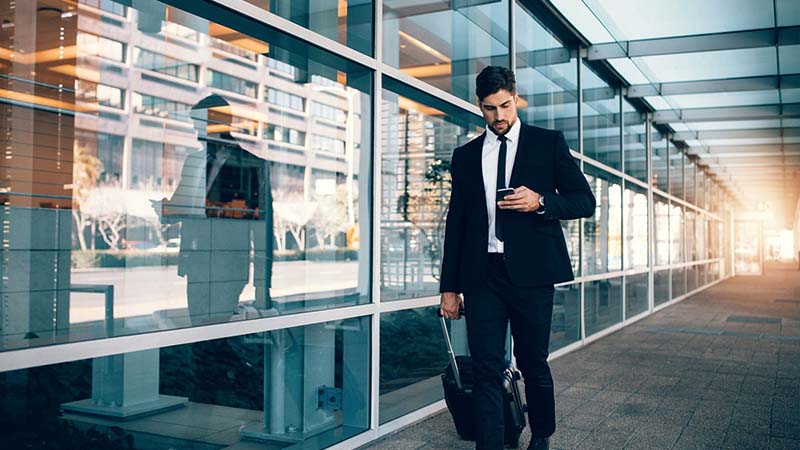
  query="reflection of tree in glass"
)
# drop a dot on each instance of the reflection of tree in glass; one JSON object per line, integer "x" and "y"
{"x": 333, "y": 215}
{"x": 86, "y": 171}
{"x": 291, "y": 214}
{"x": 426, "y": 209}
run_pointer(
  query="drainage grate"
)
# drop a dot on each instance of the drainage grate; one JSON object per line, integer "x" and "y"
{"x": 754, "y": 319}
{"x": 787, "y": 300}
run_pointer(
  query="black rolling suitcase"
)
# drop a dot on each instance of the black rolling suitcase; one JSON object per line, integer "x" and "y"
{"x": 457, "y": 381}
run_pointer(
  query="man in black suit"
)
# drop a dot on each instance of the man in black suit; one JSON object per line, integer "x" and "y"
{"x": 505, "y": 255}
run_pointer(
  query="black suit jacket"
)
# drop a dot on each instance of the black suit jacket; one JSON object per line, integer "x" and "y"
{"x": 535, "y": 250}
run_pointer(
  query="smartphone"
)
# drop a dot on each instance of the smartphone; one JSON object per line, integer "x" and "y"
{"x": 501, "y": 193}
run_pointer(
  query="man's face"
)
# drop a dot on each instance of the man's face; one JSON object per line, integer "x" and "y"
{"x": 499, "y": 110}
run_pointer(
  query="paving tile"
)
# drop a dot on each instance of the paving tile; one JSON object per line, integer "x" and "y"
{"x": 603, "y": 440}
{"x": 784, "y": 429}
{"x": 699, "y": 440}
{"x": 670, "y": 417}
{"x": 581, "y": 393}
{"x": 610, "y": 396}
{"x": 582, "y": 421}
{"x": 750, "y": 441}
{"x": 776, "y": 443}
{"x": 566, "y": 438}
{"x": 750, "y": 424}
{"x": 655, "y": 438}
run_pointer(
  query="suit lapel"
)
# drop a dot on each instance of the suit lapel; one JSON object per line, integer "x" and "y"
{"x": 476, "y": 164}
{"x": 522, "y": 153}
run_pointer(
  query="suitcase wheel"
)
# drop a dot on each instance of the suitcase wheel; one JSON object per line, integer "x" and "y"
{"x": 517, "y": 375}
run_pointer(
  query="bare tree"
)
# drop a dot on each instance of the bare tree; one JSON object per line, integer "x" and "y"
{"x": 333, "y": 214}
{"x": 291, "y": 213}
{"x": 104, "y": 207}
{"x": 86, "y": 171}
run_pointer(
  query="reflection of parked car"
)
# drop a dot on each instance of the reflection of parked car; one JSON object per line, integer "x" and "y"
{"x": 172, "y": 246}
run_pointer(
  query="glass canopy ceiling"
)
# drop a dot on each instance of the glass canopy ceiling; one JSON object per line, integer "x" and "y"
{"x": 723, "y": 75}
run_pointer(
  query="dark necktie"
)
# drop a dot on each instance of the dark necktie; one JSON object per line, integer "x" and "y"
{"x": 501, "y": 183}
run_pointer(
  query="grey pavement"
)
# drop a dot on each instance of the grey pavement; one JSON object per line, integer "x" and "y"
{"x": 719, "y": 370}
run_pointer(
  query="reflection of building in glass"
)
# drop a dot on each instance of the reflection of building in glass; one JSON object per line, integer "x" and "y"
{"x": 309, "y": 131}
{"x": 415, "y": 193}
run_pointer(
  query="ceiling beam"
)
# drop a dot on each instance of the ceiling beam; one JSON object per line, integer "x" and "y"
{"x": 721, "y": 85}
{"x": 737, "y": 134}
{"x": 775, "y": 111}
{"x": 767, "y": 37}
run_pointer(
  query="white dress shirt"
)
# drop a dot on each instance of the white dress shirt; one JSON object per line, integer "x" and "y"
{"x": 490, "y": 155}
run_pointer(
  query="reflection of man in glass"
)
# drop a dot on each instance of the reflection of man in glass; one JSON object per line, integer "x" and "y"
{"x": 224, "y": 204}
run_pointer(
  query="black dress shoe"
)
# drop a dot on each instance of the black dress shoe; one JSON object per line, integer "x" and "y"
{"x": 539, "y": 444}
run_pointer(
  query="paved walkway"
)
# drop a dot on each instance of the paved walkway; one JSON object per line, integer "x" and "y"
{"x": 718, "y": 370}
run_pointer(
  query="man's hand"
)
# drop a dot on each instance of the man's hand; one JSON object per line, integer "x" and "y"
{"x": 450, "y": 305}
{"x": 523, "y": 200}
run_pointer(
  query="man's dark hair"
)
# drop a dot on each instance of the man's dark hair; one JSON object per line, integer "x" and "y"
{"x": 492, "y": 79}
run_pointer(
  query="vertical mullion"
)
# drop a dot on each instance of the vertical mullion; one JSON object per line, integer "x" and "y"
{"x": 512, "y": 45}
{"x": 623, "y": 210}
{"x": 377, "y": 151}
{"x": 651, "y": 242}
{"x": 582, "y": 165}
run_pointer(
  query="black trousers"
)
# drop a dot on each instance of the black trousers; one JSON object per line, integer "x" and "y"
{"x": 488, "y": 313}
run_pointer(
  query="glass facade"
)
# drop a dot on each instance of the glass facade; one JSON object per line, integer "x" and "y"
{"x": 445, "y": 46}
{"x": 603, "y": 231}
{"x": 205, "y": 209}
{"x": 193, "y": 215}
{"x": 303, "y": 384}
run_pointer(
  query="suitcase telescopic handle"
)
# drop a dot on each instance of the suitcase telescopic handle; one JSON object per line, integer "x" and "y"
{"x": 450, "y": 353}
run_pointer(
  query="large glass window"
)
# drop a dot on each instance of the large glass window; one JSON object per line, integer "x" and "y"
{"x": 661, "y": 215}
{"x": 547, "y": 78}
{"x": 90, "y": 44}
{"x": 692, "y": 273}
{"x": 276, "y": 97}
{"x": 413, "y": 355}
{"x": 635, "y": 225}
{"x": 160, "y": 107}
{"x": 190, "y": 222}
{"x": 678, "y": 282}
{"x": 444, "y": 44}
{"x": 418, "y": 137}
{"x": 635, "y": 143}
{"x": 230, "y": 83}
{"x": 676, "y": 158}
{"x": 689, "y": 234}
{"x": 660, "y": 161}
{"x": 169, "y": 65}
{"x": 701, "y": 189}
{"x": 306, "y": 385}
{"x": 602, "y": 251}
{"x": 661, "y": 287}
{"x": 690, "y": 186}
{"x": 349, "y": 23}
{"x": 602, "y": 304}
{"x": 676, "y": 233}
{"x": 565, "y": 327}
{"x": 636, "y": 294}
{"x": 601, "y": 117}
